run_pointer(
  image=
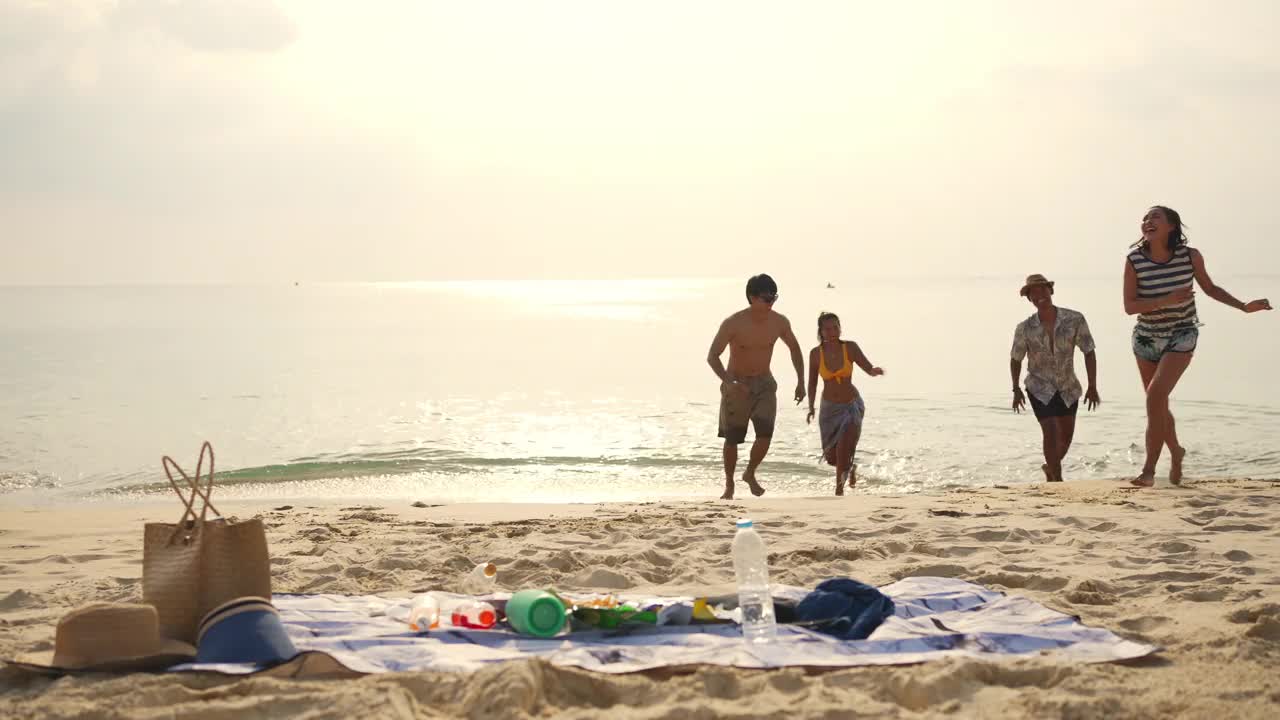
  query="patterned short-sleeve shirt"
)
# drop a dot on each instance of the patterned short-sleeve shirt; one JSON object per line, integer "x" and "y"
{"x": 1053, "y": 371}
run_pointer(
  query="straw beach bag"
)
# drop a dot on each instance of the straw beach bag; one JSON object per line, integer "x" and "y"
{"x": 192, "y": 566}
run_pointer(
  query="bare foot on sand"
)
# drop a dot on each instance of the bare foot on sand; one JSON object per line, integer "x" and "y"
{"x": 749, "y": 477}
{"x": 839, "y": 485}
{"x": 728, "y": 491}
{"x": 1146, "y": 479}
{"x": 853, "y": 476}
{"x": 1048, "y": 474}
{"x": 1175, "y": 465}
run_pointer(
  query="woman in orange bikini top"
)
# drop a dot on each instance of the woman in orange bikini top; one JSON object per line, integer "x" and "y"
{"x": 845, "y": 371}
{"x": 840, "y": 421}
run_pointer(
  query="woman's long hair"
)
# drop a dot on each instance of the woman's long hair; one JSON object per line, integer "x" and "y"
{"x": 1177, "y": 237}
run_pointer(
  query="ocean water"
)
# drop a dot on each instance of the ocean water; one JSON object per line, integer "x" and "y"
{"x": 567, "y": 390}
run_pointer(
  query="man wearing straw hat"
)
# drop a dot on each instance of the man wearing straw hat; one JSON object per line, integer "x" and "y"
{"x": 1048, "y": 339}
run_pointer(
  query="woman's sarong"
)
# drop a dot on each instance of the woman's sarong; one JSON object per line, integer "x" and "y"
{"x": 835, "y": 418}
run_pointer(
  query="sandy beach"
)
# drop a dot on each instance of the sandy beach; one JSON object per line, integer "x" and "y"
{"x": 1192, "y": 569}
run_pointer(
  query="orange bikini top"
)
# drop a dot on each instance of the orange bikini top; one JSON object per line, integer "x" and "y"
{"x": 845, "y": 371}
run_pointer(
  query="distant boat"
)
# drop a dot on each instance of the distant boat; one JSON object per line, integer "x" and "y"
{"x": 830, "y": 286}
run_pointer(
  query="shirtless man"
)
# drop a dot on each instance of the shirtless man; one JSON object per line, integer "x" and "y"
{"x": 748, "y": 392}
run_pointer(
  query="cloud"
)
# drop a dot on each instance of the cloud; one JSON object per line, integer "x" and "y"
{"x": 212, "y": 25}
{"x": 39, "y": 43}
{"x": 89, "y": 104}
{"x": 433, "y": 139}
{"x": 134, "y": 134}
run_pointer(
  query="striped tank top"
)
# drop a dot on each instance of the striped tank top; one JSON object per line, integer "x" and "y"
{"x": 1158, "y": 279}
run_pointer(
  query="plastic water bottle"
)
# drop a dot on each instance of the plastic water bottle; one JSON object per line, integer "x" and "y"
{"x": 751, "y": 565}
{"x": 424, "y": 613}
{"x": 481, "y": 580}
{"x": 477, "y": 615}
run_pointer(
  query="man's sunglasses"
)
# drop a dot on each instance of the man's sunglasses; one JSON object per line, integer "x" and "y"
{"x": 769, "y": 299}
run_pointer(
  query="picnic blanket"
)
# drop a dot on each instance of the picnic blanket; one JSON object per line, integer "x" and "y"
{"x": 933, "y": 618}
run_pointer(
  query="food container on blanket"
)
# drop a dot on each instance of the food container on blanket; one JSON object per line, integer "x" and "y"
{"x": 536, "y": 612}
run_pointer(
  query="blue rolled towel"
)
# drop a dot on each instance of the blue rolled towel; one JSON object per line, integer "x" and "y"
{"x": 844, "y": 608}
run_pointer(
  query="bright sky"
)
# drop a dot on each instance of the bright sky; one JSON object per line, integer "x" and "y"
{"x": 246, "y": 140}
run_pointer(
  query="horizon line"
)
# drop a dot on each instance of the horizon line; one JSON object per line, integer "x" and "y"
{"x": 457, "y": 281}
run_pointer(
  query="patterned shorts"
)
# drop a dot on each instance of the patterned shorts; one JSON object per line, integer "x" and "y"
{"x": 752, "y": 400}
{"x": 1152, "y": 347}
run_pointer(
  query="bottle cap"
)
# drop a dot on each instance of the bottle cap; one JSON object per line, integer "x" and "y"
{"x": 744, "y": 523}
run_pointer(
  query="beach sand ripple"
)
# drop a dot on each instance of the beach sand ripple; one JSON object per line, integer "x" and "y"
{"x": 1195, "y": 570}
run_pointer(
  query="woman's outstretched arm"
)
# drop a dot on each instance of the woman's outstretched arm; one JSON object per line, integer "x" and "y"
{"x": 1220, "y": 293}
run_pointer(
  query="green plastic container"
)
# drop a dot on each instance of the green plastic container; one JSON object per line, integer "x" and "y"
{"x": 536, "y": 612}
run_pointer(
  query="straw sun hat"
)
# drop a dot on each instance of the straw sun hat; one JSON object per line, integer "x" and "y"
{"x": 1034, "y": 280}
{"x": 111, "y": 637}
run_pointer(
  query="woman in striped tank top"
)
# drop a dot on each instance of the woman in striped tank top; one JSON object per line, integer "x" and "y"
{"x": 1157, "y": 288}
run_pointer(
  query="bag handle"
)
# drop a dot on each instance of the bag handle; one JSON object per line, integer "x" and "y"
{"x": 189, "y": 502}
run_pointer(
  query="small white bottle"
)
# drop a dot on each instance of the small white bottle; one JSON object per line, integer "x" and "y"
{"x": 481, "y": 580}
{"x": 424, "y": 613}
{"x": 751, "y": 565}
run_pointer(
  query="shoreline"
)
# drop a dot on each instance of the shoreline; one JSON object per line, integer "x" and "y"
{"x": 344, "y": 490}
{"x": 1194, "y": 569}
{"x": 42, "y": 499}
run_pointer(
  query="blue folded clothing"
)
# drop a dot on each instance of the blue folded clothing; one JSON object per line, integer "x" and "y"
{"x": 844, "y": 608}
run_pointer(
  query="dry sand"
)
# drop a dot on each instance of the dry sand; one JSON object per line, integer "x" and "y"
{"x": 1193, "y": 569}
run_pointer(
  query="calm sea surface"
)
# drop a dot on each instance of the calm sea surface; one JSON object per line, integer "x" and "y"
{"x": 567, "y": 390}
